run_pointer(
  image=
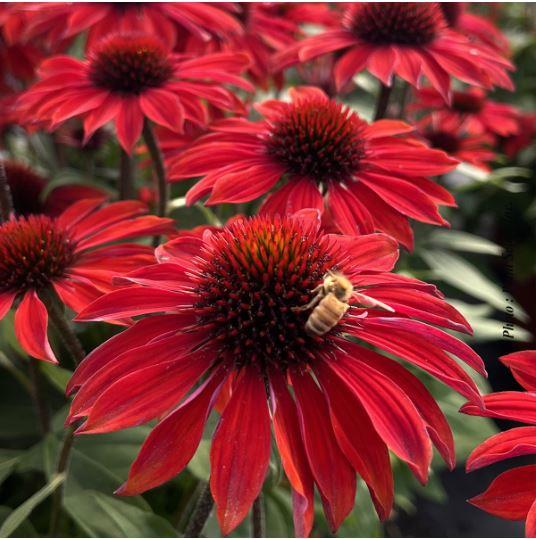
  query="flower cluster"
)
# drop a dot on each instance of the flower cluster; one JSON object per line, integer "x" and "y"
{"x": 287, "y": 317}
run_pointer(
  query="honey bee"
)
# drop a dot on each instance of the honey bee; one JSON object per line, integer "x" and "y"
{"x": 330, "y": 303}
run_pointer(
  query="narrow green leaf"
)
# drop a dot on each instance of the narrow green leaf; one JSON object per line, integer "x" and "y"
{"x": 459, "y": 273}
{"x": 100, "y": 515}
{"x": 8, "y": 460}
{"x": 463, "y": 241}
{"x": 19, "y": 515}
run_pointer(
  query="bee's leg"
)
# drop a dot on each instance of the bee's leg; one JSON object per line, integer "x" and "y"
{"x": 319, "y": 295}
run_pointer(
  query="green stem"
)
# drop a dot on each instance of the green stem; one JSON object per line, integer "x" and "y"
{"x": 39, "y": 400}
{"x": 126, "y": 177}
{"x": 62, "y": 325}
{"x": 258, "y": 518}
{"x": 57, "y": 499}
{"x": 201, "y": 512}
{"x": 383, "y": 101}
{"x": 158, "y": 162}
{"x": 404, "y": 95}
{"x": 6, "y": 202}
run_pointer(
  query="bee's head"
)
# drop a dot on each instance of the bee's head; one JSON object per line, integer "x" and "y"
{"x": 338, "y": 285}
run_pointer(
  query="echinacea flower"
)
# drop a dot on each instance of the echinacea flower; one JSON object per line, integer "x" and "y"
{"x": 408, "y": 39}
{"x": 523, "y": 138}
{"x": 472, "y": 109}
{"x": 512, "y": 494}
{"x": 71, "y": 254}
{"x": 127, "y": 78}
{"x": 63, "y": 20}
{"x": 366, "y": 176}
{"x": 231, "y": 319}
{"x": 28, "y": 187}
{"x": 475, "y": 27}
{"x": 449, "y": 134}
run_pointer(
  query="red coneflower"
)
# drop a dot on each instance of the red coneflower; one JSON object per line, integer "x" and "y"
{"x": 127, "y": 78}
{"x": 473, "y": 110}
{"x": 71, "y": 255}
{"x": 449, "y": 134}
{"x": 62, "y": 20}
{"x": 28, "y": 186}
{"x": 523, "y": 138}
{"x": 512, "y": 494}
{"x": 367, "y": 177}
{"x": 475, "y": 27}
{"x": 229, "y": 301}
{"x": 408, "y": 39}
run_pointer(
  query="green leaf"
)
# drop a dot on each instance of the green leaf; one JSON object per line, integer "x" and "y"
{"x": 459, "y": 273}
{"x": 485, "y": 327}
{"x": 8, "y": 460}
{"x": 100, "y": 515}
{"x": 58, "y": 376}
{"x": 26, "y": 529}
{"x": 19, "y": 515}
{"x": 200, "y": 464}
{"x": 463, "y": 241}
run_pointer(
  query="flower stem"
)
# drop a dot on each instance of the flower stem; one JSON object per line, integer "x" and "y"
{"x": 37, "y": 395}
{"x": 403, "y": 100}
{"x": 383, "y": 101}
{"x": 6, "y": 202}
{"x": 201, "y": 512}
{"x": 126, "y": 177}
{"x": 158, "y": 162}
{"x": 63, "y": 462}
{"x": 64, "y": 329}
{"x": 258, "y": 518}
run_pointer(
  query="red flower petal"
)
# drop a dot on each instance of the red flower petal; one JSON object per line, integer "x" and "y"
{"x": 165, "y": 348}
{"x": 129, "y": 123}
{"x": 523, "y": 367}
{"x": 393, "y": 415}
{"x": 132, "y": 301}
{"x": 513, "y": 405}
{"x": 6, "y": 300}
{"x": 332, "y": 472}
{"x": 358, "y": 439}
{"x": 293, "y": 457}
{"x": 347, "y": 211}
{"x": 373, "y": 252}
{"x": 510, "y": 495}
{"x": 139, "y": 334}
{"x": 31, "y": 321}
{"x": 131, "y": 400}
{"x": 173, "y": 442}
{"x": 240, "y": 451}
{"x": 505, "y": 445}
{"x": 163, "y": 108}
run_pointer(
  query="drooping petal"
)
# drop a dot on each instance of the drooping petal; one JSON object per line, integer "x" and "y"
{"x": 129, "y": 123}
{"x": 173, "y": 442}
{"x": 523, "y": 367}
{"x": 293, "y": 456}
{"x": 513, "y": 405}
{"x": 31, "y": 322}
{"x": 240, "y": 451}
{"x": 132, "y": 401}
{"x": 393, "y": 415}
{"x": 332, "y": 472}
{"x": 424, "y": 402}
{"x": 358, "y": 439}
{"x": 139, "y": 334}
{"x": 504, "y": 445}
{"x": 6, "y": 300}
{"x": 510, "y": 495}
